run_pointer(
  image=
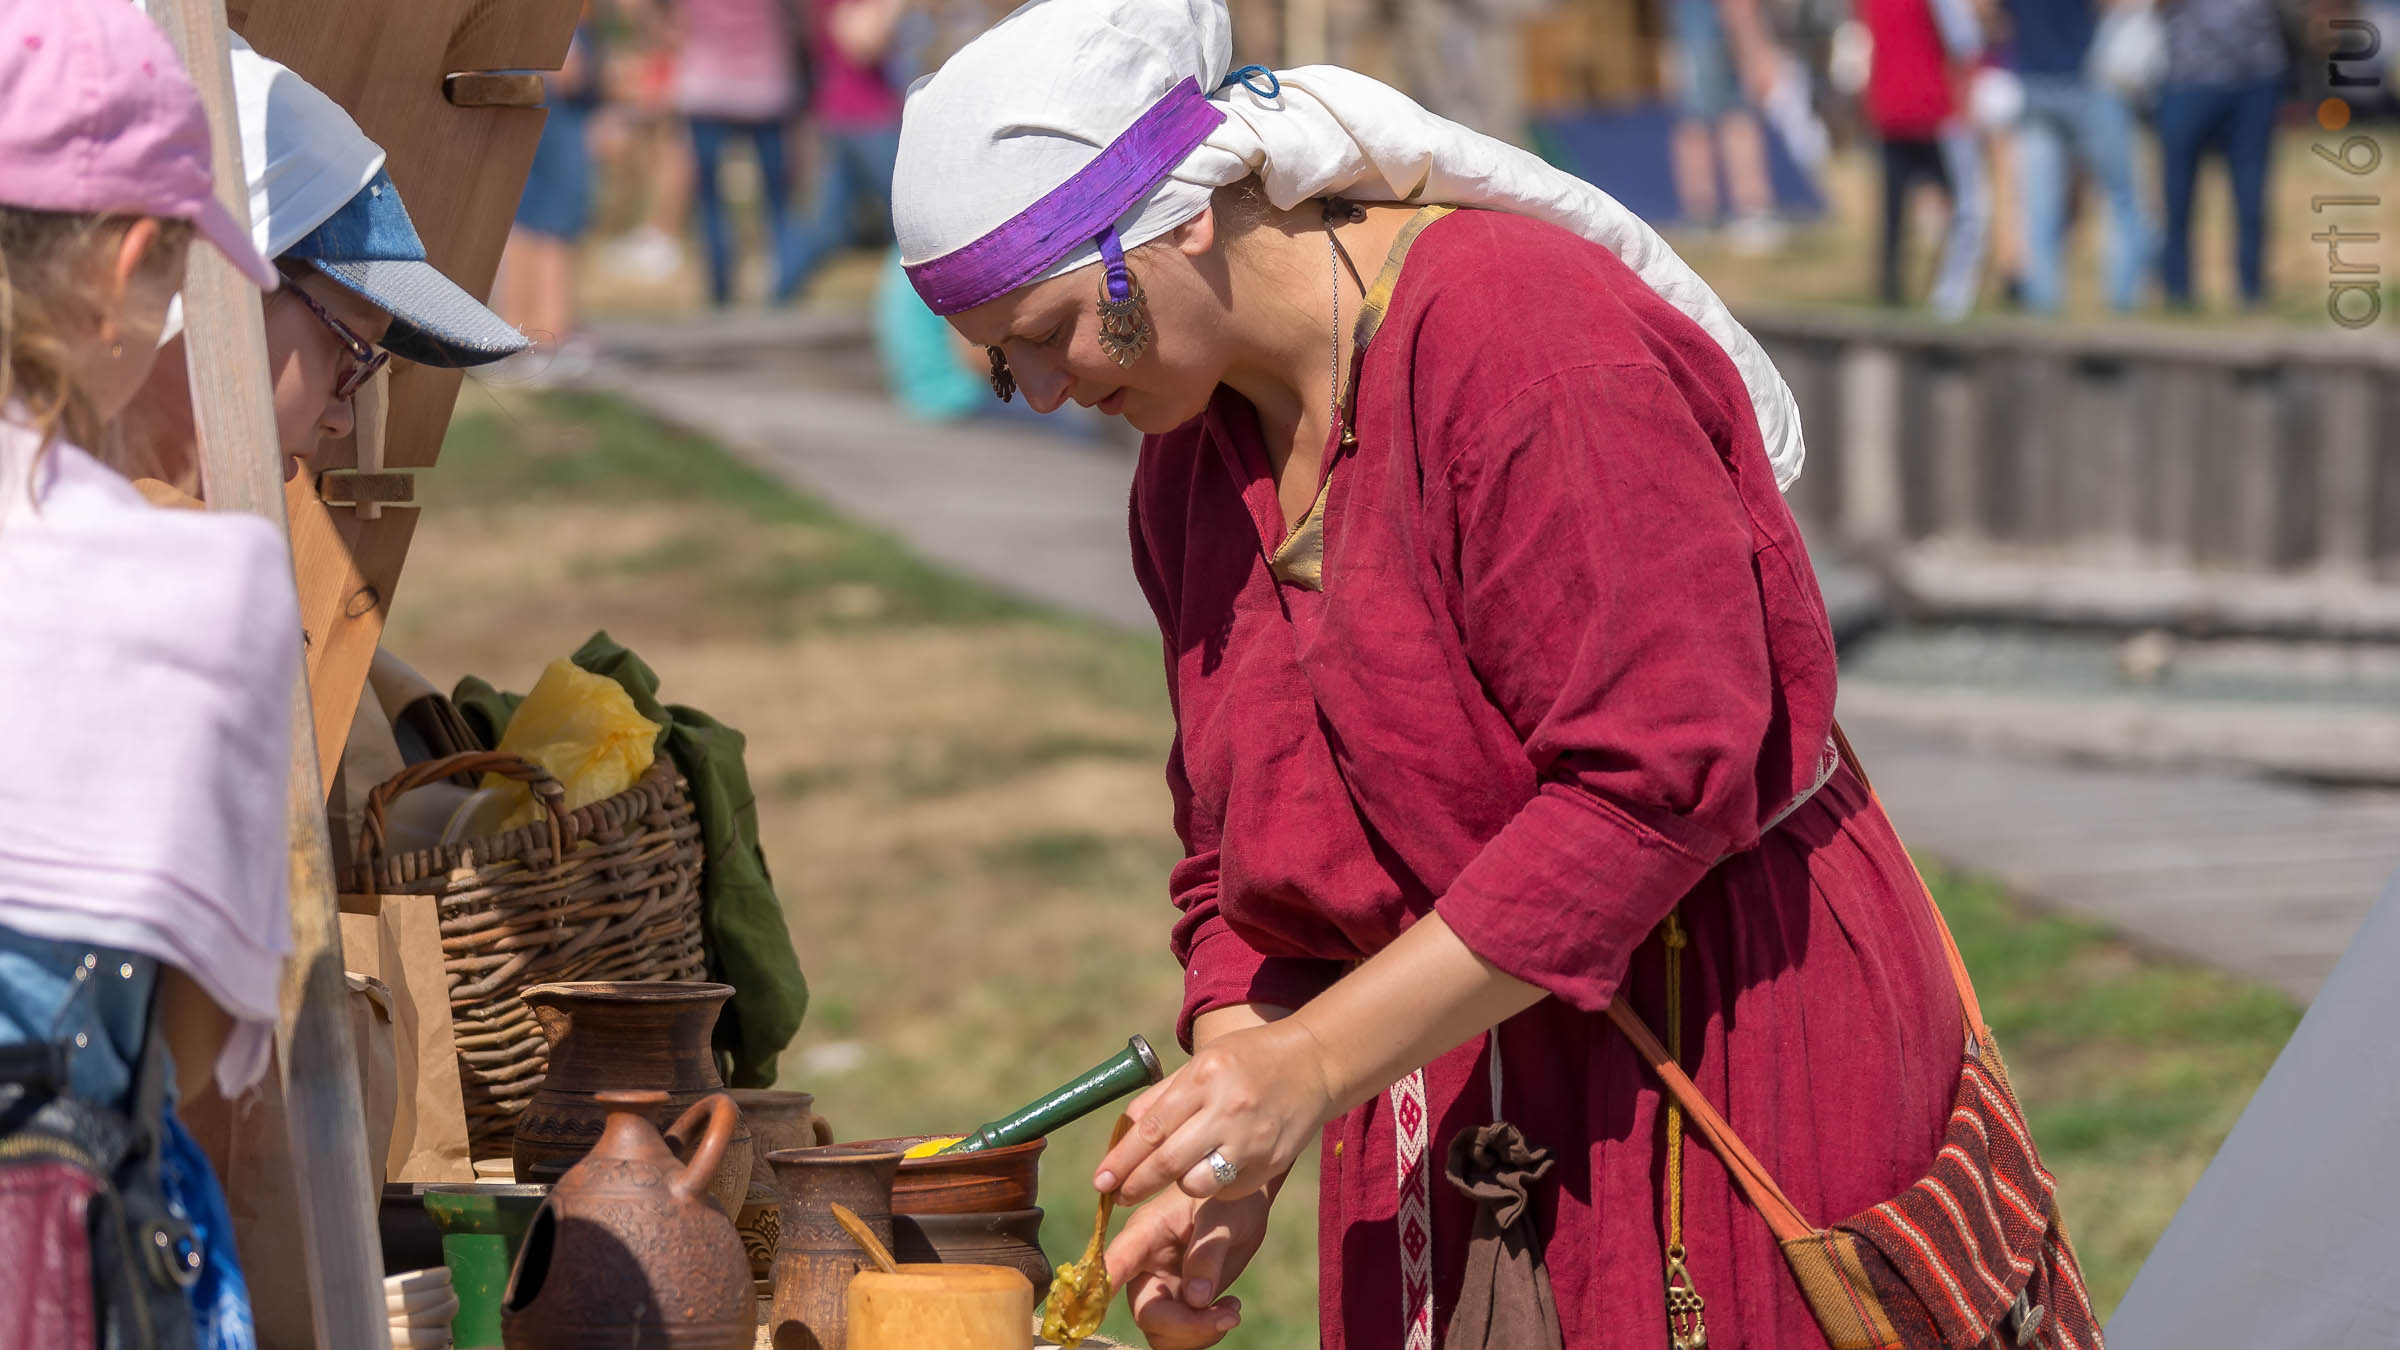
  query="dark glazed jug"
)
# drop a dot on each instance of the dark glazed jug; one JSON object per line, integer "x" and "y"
{"x": 639, "y": 1035}
{"x": 628, "y": 1252}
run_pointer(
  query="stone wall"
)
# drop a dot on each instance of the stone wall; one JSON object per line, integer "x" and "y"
{"x": 2214, "y": 480}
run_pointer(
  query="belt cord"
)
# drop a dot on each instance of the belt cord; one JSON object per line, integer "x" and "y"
{"x": 1685, "y": 1328}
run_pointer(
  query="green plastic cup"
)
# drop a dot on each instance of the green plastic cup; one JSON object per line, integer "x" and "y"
{"x": 481, "y": 1227}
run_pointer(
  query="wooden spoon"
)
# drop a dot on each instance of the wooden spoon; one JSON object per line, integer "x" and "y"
{"x": 1079, "y": 1291}
{"x": 865, "y": 1237}
{"x": 1108, "y": 1201}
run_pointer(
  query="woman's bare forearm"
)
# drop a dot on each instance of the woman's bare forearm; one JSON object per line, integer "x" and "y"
{"x": 1261, "y": 1085}
{"x": 1235, "y": 1017}
{"x": 1412, "y": 1002}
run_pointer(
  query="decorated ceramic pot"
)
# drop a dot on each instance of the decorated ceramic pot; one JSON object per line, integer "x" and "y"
{"x": 815, "y": 1257}
{"x": 629, "y": 1251}
{"x": 637, "y": 1035}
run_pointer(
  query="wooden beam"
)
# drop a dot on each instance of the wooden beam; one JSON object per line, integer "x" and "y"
{"x": 233, "y": 406}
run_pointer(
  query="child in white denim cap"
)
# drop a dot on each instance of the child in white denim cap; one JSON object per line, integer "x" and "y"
{"x": 356, "y": 286}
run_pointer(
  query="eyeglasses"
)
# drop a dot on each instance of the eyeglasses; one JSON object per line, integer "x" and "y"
{"x": 365, "y": 356}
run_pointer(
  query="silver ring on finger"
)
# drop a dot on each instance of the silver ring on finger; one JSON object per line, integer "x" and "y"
{"x": 1219, "y": 1168}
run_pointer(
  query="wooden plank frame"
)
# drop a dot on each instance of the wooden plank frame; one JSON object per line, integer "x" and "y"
{"x": 233, "y": 408}
{"x": 441, "y": 86}
{"x": 390, "y": 62}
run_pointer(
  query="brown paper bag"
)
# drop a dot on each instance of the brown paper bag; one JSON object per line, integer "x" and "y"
{"x": 398, "y": 940}
{"x": 378, "y": 1075}
{"x": 248, "y": 1140}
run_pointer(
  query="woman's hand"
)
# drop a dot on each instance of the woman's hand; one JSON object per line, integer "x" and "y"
{"x": 1174, "y": 1258}
{"x": 1255, "y": 1098}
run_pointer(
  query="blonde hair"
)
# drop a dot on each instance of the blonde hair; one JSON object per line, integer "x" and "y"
{"x": 49, "y": 264}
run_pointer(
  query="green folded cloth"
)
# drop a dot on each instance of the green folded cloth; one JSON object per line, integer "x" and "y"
{"x": 749, "y": 946}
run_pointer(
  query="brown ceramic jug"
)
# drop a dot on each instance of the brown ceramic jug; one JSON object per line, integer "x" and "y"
{"x": 814, "y": 1256}
{"x": 628, "y": 1252}
{"x": 624, "y": 1034}
{"x": 777, "y": 1119}
{"x": 780, "y": 1118}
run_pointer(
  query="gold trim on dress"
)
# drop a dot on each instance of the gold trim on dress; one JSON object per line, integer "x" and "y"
{"x": 1300, "y": 559}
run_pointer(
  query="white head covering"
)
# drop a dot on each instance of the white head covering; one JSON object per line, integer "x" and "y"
{"x": 1033, "y": 101}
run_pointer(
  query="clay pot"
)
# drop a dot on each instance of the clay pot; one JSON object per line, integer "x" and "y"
{"x": 628, "y": 1252}
{"x": 624, "y": 1035}
{"x": 965, "y": 1183}
{"x": 779, "y": 1119}
{"x": 814, "y": 1258}
{"x": 761, "y": 1223}
{"x": 1010, "y": 1238}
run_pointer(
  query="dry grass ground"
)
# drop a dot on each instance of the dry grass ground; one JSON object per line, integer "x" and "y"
{"x": 963, "y": 808}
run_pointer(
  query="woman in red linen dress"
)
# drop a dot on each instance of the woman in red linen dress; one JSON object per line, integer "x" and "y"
{"x": 1567, "y": 667}
{"x": 1473, "y": 686}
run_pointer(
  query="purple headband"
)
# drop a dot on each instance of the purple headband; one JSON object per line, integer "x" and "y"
{"x": 1082, "y": 210}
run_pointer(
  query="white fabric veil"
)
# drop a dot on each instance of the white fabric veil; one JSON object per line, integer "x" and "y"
{"x": 1026, "y": 105}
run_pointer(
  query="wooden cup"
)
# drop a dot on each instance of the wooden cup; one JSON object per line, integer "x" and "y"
{"x": 954, "y": 1307}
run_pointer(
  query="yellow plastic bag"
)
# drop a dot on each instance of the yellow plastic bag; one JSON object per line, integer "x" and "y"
{"x": 585, "y": 730}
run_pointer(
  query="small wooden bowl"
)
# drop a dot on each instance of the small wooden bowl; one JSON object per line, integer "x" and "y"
{"x": 993, "y": 1180}
{"x": 1010, "y": 1238}
{"x": 955, "y": 1307}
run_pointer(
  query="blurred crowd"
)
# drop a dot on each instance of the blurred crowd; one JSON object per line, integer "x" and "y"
{"x": 2026, "y": 115}
{"x": 2024, "y": 118}
{"x": 757, "y": 136}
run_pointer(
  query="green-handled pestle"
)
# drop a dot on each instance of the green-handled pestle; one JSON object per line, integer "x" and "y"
{"x": 1128, "y": 1070}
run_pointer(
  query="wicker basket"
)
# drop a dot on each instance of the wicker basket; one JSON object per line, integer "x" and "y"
{"x": 623, "y": 905}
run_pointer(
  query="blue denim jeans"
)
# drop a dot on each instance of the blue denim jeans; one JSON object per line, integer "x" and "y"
{"x": 105, "y": 1017}
{"x": 857, "y": 166}
{"x": 1954, "y": 162}
{"x": 2237, "y": 122}
{"x": 557, "y": 200}
{"x": 709, "y": 136}
{"x": 2070, "y": 123}
{"x": 1710, "y": 87}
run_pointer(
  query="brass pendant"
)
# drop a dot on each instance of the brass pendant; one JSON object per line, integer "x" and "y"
{"x": 1124, "y": 324}
{"x": 1004, "y": 380}
{"x": 1685, "y": 1329}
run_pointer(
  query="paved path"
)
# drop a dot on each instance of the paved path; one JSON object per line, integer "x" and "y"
{"x": 2263, "y": 878}
{"x": 800, "y": 397}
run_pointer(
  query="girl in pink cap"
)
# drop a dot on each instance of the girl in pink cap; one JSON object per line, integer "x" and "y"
{"x": 145, "y": 667}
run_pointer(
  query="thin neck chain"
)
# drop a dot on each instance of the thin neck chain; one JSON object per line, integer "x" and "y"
{"x": 1333, "y": 372}
{"x": 1338, "y": 212}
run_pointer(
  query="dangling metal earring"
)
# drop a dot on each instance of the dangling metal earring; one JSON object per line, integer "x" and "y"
{"x": 115, "y": 350}
{"x": 1004, "y": 380}
{"x": 1125, "y": 330}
